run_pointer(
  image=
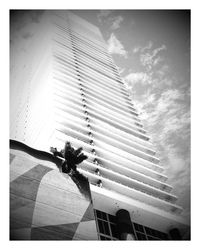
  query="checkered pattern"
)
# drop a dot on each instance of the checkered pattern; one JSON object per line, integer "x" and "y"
{"x": 46, "y": 204}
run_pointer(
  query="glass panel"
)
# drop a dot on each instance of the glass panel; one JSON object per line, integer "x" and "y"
{"x": 104, "y": 238}
{"x": 106, "y": 228}
{"x": 163, "y": 236}
{"x": 141, "y": 236}
{"x": 98, "y": 213}
{"x": 152, "y": 238}
{"x": 101, "y": 229}
{"x": 159, "y": 234}
{"x": 139, "y": 227}
{"x": 154, "y": 233}
{"x": 148, "y": 230}
{"x": 112, "y": 218}
{"x": 114, "y": 230}
{"x": 101, "y": 215}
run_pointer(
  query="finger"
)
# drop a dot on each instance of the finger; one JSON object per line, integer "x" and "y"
{"x": 52, "y": 149}
{"x": 68, "y": 154}
{"x": 78, "y": 151}
{"x": 81, "y": 158}
{"x": 67, "y": 146}
{"x": 72, "y": 150}
{"x": 68, "y": 143}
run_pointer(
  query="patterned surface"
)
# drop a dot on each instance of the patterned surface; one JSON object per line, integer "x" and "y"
{"x": 46, "y": 204}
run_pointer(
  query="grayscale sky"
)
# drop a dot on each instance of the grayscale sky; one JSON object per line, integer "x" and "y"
{"x": 152, "y": 52}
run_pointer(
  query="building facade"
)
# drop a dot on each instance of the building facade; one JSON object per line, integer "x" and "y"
{"x": 67, "y": 88}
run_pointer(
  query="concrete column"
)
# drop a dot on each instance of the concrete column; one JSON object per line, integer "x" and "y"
{"x": 124, "y": 225}
{"x": 175, "y": 234}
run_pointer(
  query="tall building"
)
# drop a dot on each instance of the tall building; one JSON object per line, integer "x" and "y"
{"x": 66, "y": 87}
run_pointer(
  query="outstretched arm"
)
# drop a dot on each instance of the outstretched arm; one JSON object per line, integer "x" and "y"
{"x": 56, "y": 152}
{"x": 39, "y": 154}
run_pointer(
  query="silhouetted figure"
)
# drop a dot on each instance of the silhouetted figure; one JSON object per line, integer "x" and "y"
{"x": 72, "y": 157}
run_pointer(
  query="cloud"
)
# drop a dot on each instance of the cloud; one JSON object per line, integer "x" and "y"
{"x": 177, "y": 164}
{"x": 171, "y": 94}
{"x": 155, "y": 51}
{"x": 136, "y": 49}
{"x": 149, "y": 59}
{"x": 165, "y": 108}
{"x": 177, "y": 123}
{"x": 113, "y": 21}
{"x": 139, "y": 77}
{"x": 142, "y": 49}
{"x": 163, "y": 70}
{"x": 148, "y": 56}
{"x": 147, "y": 47}
{"x": 168, "y": 99}
{"x": 157, "y": 60}
{"x": 164, "y": 115}
{"x": 116, "y": 21}
{"x": 103, "y": 14}
{"x": 116, "y": 47}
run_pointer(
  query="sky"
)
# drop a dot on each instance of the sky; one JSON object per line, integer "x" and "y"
{"x": 152, "y": 52}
